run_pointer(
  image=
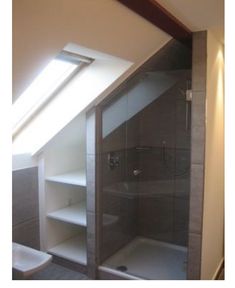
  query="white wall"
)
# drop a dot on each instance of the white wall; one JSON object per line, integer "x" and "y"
{"x": 213, "y": 214}
{"x": 41, "y": 28}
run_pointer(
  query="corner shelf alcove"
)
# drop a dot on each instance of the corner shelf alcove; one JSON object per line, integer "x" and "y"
{"x": 63, "y": 194}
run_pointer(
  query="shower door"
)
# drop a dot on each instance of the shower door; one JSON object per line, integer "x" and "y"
{"x": 145, "y": 172}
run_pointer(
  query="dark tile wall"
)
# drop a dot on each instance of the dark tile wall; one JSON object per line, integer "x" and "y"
{"x": 92, "y": 160}
{"x": 25, "y": 209}
{"x": 164, "y": 197}
{"x": 155, "y": 203}
{"x": 118, "y": 202}
{"x": 199, "y": 68}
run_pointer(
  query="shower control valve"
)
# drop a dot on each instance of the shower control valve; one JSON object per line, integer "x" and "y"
{"x": 136, "y": 172}
{"x": 113, "y": 160}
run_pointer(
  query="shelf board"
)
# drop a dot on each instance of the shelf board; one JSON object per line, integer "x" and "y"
{"x": 73, "y": 249}
{"x": 74, "y": 178}
{"x": 75, "y": 214}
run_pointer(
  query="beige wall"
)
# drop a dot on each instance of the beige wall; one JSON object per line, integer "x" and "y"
{"x": 41, "y": 28}
{"x": 213, "y": 214}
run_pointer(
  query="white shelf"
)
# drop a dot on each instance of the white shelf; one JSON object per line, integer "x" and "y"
{"x": 73, "y": 178}
{"x": 75, "y": 214}
{"x": 73, "y": 249}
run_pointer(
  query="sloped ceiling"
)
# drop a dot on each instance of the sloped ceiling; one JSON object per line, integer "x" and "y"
{"x": 199, "y": 15}
{"x": 41, "y": 28}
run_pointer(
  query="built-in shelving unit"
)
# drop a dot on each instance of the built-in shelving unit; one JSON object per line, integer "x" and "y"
{"x": 74, "y": 178}
{"x": 63, "y": 184}
{"x": 73, "y": 249}
{"x": 74, "y": 214}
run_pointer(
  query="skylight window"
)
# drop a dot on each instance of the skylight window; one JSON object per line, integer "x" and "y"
{"x": 54, "y": 76}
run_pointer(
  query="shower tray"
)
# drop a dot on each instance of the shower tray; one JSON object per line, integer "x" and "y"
{"x": 145, "y": 258}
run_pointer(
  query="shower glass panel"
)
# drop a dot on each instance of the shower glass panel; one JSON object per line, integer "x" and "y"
{"x": 145, "y": 171}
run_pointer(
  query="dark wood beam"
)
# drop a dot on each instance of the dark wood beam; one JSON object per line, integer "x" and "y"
{"x": 152, "y": 11}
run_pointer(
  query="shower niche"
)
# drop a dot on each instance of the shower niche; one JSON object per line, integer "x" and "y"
{"x": 145, "y": 171}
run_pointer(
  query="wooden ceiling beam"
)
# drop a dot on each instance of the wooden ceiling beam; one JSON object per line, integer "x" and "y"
{"x": 152, "y": 11}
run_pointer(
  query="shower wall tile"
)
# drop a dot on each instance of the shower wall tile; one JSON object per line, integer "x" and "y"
{"x": 156, "y": 218}
{"x": 91, "y": 245}
{"x": 182, "y": 164}
{"x": 181, "y": 214}
{"x": 91, "y": 232}
{"x": 182, "y": 187}
{"x": 120, "y": 208}
{"x": 182, "y": 139}
{"x": 157, "y": 122}
{"x": 199, "y": 108}
{"x": 197, "y": 153}
{"x": 91, "y": 132}
{"x": 155, "y": 189}
{"x": 194, "y": 257}
{"x": 116, "y": 140}
{"x": 151, "y": 213}
{"x": 180, "y": 238}
{"x": 92, "y": 266}
{"x": 196, "y": 198}
{"x": 114, "y": 237}
{"x": 90, "y": 168}
{"x": 199, "y": 61}
{"x": 91, "y": 197}
{"x": 198, "y": 145}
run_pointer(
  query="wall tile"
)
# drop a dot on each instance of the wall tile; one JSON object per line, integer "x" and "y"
{"x": 156, "y": 218}
{"x": 199, "y": 108}
{"x": 25, "y": 195}
{"x": 116, "y": 140}
{"x": 90, "y": 132}
{"x": 199, "y": 61}
{"x": 181, "y": 214}
{"x": 194, "y": 257}
{"x": 197, "y": 152}
{"x": 91, "y": 197}
{"x": 90, "y": 168}
{"x": 91, "y": 232}
{"x": 27, "y": 233}
{"x": 180, "y": 238}
{"x": 182, "y": 187}
{"x": 198, "y": 145}
{"x": 196, "y": 198}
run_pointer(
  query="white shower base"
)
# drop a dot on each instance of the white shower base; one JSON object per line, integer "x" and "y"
{"x": 149, "y": 259}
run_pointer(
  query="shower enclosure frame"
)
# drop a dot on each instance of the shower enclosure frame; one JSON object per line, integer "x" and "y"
{"x": 94, "y": 130}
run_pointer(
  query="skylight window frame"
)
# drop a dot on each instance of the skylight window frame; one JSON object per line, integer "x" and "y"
{"x": 80, "y": 61}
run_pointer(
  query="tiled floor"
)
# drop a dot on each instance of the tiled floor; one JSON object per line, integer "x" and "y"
{"x": 57, "y": 272}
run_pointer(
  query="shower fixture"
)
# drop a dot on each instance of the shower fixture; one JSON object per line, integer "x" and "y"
{"x": 136, "y": 172}
{"x": 113, "y": 160}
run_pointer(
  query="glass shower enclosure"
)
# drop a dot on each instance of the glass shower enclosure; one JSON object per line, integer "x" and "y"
{"x": 145, "y": 175}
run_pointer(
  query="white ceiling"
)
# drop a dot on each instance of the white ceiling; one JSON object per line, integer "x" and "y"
{"x": 198, "y": 15}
